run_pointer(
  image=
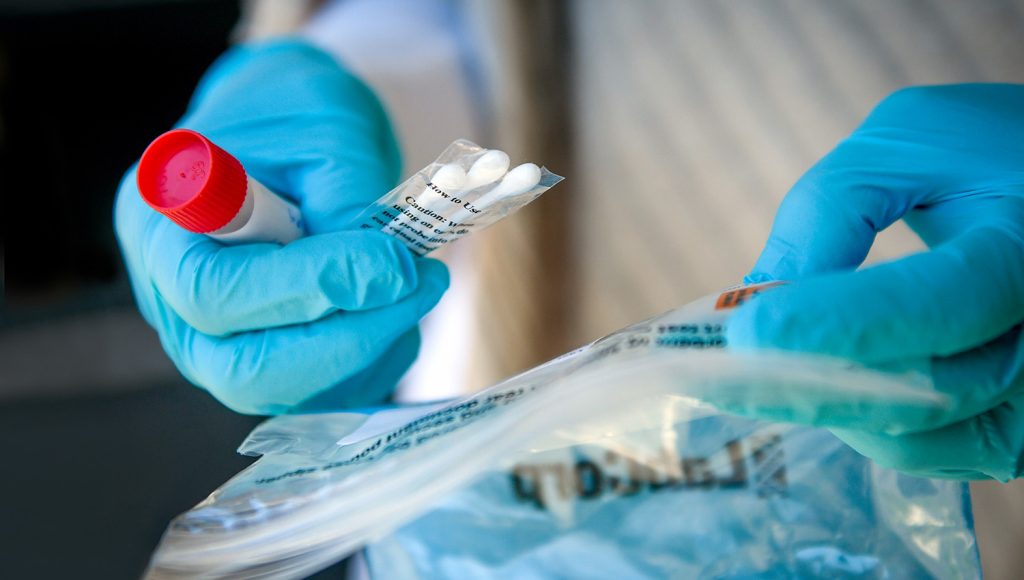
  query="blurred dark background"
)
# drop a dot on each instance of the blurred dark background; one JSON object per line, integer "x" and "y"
{"x": 103, "y": 443}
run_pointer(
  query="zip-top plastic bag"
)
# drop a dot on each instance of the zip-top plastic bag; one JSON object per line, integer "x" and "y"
{"x": 607, "y": 462}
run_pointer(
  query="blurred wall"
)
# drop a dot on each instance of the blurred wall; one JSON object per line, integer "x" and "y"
{"x": 84, "y": 86}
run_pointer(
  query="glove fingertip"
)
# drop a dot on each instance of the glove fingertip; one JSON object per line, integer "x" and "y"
{"x": 433, "y": 272}
{"x": 403, "y": 264}
{"x": 771, "y": 320}
{"x": 434, "y": 281}
{"x": 758, "y": 277}
{"x": 741, "y": 331}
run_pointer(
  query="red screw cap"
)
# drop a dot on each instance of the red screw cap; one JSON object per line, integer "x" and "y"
{"x": 196, "y": 184}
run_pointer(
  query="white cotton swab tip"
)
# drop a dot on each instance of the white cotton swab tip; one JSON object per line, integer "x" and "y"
{"x": 517, "y": 182}
{"x": 449, "y": 177}
{"x": 488, "y": 168}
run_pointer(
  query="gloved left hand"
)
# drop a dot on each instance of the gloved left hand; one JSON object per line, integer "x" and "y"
{"x": 327, "y": 321}
{"x": 950, "y": 161}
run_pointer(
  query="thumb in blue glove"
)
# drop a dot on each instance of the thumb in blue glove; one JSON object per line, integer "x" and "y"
{"x": 950, "y": 161}
{"x": 329, "y": 320}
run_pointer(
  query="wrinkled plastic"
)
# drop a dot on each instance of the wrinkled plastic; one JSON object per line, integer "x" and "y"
{"x": 703, "y": 496}
{"x": 607, "y": 462}
{"x": 425, "y": 216}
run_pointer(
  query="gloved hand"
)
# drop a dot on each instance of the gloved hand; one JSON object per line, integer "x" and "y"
{"x": 950, "y": 161}
{"x": 327, "y": 321}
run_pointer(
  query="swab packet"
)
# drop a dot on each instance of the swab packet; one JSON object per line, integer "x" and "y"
{"x": 466, "y": 189}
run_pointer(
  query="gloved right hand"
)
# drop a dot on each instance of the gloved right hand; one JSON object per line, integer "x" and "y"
{"x": 950, "y": 161}
{"x": 325, "y": 322}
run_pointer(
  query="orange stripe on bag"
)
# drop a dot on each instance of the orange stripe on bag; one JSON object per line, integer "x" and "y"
{"x": 734, "y": 298}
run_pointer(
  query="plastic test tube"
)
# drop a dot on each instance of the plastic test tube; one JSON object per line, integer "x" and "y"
{"x": 205, "y": 190}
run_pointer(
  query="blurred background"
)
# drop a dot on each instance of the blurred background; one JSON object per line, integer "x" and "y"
{"x": 679, "y": 125}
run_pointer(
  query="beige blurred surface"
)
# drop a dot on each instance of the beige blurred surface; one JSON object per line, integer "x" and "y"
{"x": 999, "y": 523}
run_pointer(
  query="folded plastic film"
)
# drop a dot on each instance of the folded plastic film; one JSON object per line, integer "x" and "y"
{"x": 328, "y": 484}
{"x": 466, "y": 189}
{"x": 701, "y": 496}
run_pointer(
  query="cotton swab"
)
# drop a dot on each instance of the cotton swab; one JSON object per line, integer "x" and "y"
{"x": 488, "y": 168}
{"x": 516, "y": 182}
{"x": 449, "y": 178}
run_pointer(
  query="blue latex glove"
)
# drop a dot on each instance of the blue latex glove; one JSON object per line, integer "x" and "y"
{"x": 949, "y": 160}
{"x": 327, "y": 321}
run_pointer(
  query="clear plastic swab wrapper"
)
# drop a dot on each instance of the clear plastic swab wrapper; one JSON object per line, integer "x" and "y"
{"x": 466, "y": 189}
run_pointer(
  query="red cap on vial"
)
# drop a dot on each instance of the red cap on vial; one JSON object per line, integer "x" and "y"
{"x": 196, "y": 184}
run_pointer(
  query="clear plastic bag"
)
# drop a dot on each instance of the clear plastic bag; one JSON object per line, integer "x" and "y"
{"x": 449, "y": 199}
{"x": 605, "y": 462}
{"x": 709, "y": 496}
